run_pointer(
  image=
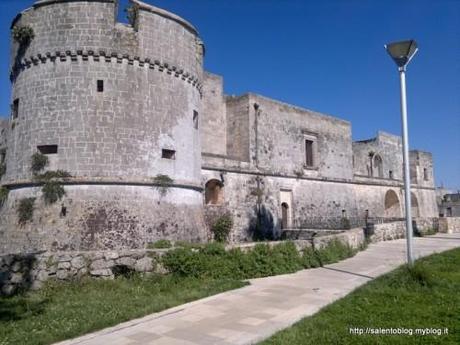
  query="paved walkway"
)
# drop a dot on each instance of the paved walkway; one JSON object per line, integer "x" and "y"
{"x": 253, "y": 313}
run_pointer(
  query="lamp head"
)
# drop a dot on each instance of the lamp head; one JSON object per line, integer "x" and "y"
{"x": 402, "y": 52}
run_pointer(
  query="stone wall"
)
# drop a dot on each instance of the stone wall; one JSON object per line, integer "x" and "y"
{"x": 213, "y": 119}
{"x": 101, "y": 217}
{"x": 110, "y": 140}
{"x": 449, "y": 224}
{"x": 30, "y": 271}
{"x": 421, "y": 168}
{"x": 278, "y": 143}
{"x": 388, "y": 147}
{"x": 388, "y": 231}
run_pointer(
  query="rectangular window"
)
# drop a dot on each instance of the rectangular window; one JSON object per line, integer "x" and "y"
{"x": 309, "y": 153}
{"x": 449, "y": 212}
{"x": 100, "y": 86}
{"x": 168, "y": 154}
{"x": 47, "y": 149}
{"x": 15, "y": 110}
{"x": 390, "y": 174}
{"x": 195, "y": 119}
{"x": 425, "y": 174}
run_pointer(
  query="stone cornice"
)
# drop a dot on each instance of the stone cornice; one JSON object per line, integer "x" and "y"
{"x": 311, "y": 178}
{"x": 104, "y": 181}
{"x": 108, "y": 57}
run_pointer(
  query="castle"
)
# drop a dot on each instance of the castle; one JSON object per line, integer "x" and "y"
{"x": 156, "y": 150}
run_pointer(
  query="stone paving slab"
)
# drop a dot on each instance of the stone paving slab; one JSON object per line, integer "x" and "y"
{"x": 255, "y": 312}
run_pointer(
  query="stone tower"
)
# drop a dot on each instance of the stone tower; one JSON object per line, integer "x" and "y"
{"x": 114, "y": 105}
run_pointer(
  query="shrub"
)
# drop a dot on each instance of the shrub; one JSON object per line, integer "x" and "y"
{"x": 162, "y": 183}
{"x": 184, "y": 262}
{"x": 52, "y": 191}
{"x": 334, "y": 251}
{"x": 185, "y": 244}
{"x": 222, "y": 227}
{"x": 310, "y": 258}
{"x": 38, "y": 162}
{"x": 3, "y": 195}
{"x": 23, "y": 34}
{"x": 160, "y": 244}
{"x": 132, "y": 14}
{"x": 49, "y": 175}
{"x": 213, "y": 261}
{"x": 25, "y": 210}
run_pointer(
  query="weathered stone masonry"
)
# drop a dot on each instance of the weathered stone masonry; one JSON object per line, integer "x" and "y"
{"x": 120, "y": 104}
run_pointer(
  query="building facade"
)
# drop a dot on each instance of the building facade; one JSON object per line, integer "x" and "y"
{"x": 156, "y": 150}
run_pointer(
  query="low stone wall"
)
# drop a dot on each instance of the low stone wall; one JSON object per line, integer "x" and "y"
{"x": 425, "y": 225}
{"x": 388, "y": 231}
{"x": 30, "y": 271}
{"x": 449, "y": 224}
{"x": 354, "y": 238}
{"x": 33, "y": 269}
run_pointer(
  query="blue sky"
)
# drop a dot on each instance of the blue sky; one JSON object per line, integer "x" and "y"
{"x": 328, "y": 56}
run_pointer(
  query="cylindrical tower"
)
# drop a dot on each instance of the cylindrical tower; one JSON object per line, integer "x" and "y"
{"x": 117, "y": 106}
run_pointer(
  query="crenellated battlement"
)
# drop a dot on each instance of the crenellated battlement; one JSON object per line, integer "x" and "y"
{"x": 108, "y": 57}
{"x": 62, "y": 26}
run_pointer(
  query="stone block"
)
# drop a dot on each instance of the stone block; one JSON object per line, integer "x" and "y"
{"x": 64, "y": 265}
{"x": 105, "y": 272}
{"x": 62, "y": 274}
{"x": 112, "y": 255}
{"x": 126, "y": 261}
{"x": 144, "y": 265}
{"x": 101, "y": 264}
{"x": 16, "y": 278}
{"x": 78, "y": 262}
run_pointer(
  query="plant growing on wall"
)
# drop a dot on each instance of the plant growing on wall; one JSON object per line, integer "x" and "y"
{"x": 23, "y": 34}
{"x": 132, "y": 14}
{"x": 38, "y": 162}
{"x": 52, "y": 174}
{"x": 25, "y": 210}
{"x": 299, "y": 172}
{"x": 163, "y": 183}
{"x": 222, "y": 227}
{"x": 52, "y": 191}
{"x": 3, "y": 195}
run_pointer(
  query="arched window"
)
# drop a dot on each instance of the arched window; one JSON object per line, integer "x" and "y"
{"x": 392, "y": 205}
{"x": 214, "y": 192}
{"x": 378, "y": 166}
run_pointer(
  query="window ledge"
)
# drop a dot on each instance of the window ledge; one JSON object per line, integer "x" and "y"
{"x": 307, "y": 167}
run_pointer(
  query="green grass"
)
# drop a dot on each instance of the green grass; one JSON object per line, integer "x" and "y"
{"x": 426, "y": 296}
{"x": 65, "y": 310}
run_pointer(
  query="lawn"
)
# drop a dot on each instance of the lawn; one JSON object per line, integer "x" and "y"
{"x": 427, "y": 296}
{"x": 65, "y": 310}
{"x": 62, "y": 311}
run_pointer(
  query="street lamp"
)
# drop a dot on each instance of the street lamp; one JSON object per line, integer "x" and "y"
{"x": 402, "y": 52}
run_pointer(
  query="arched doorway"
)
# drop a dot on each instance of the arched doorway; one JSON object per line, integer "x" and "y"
{"x": 214, "y": 192}
{"x": 378, "y": 166}
{"x": 284, "y": 216}
{"x": 392, "y": 205}
{"x": 414, "y": 205}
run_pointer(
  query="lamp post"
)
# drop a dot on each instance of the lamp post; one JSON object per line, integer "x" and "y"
{"x": 402, "y": 52}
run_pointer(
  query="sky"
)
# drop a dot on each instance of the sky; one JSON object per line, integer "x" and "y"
{"x": 328, "y": 56}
